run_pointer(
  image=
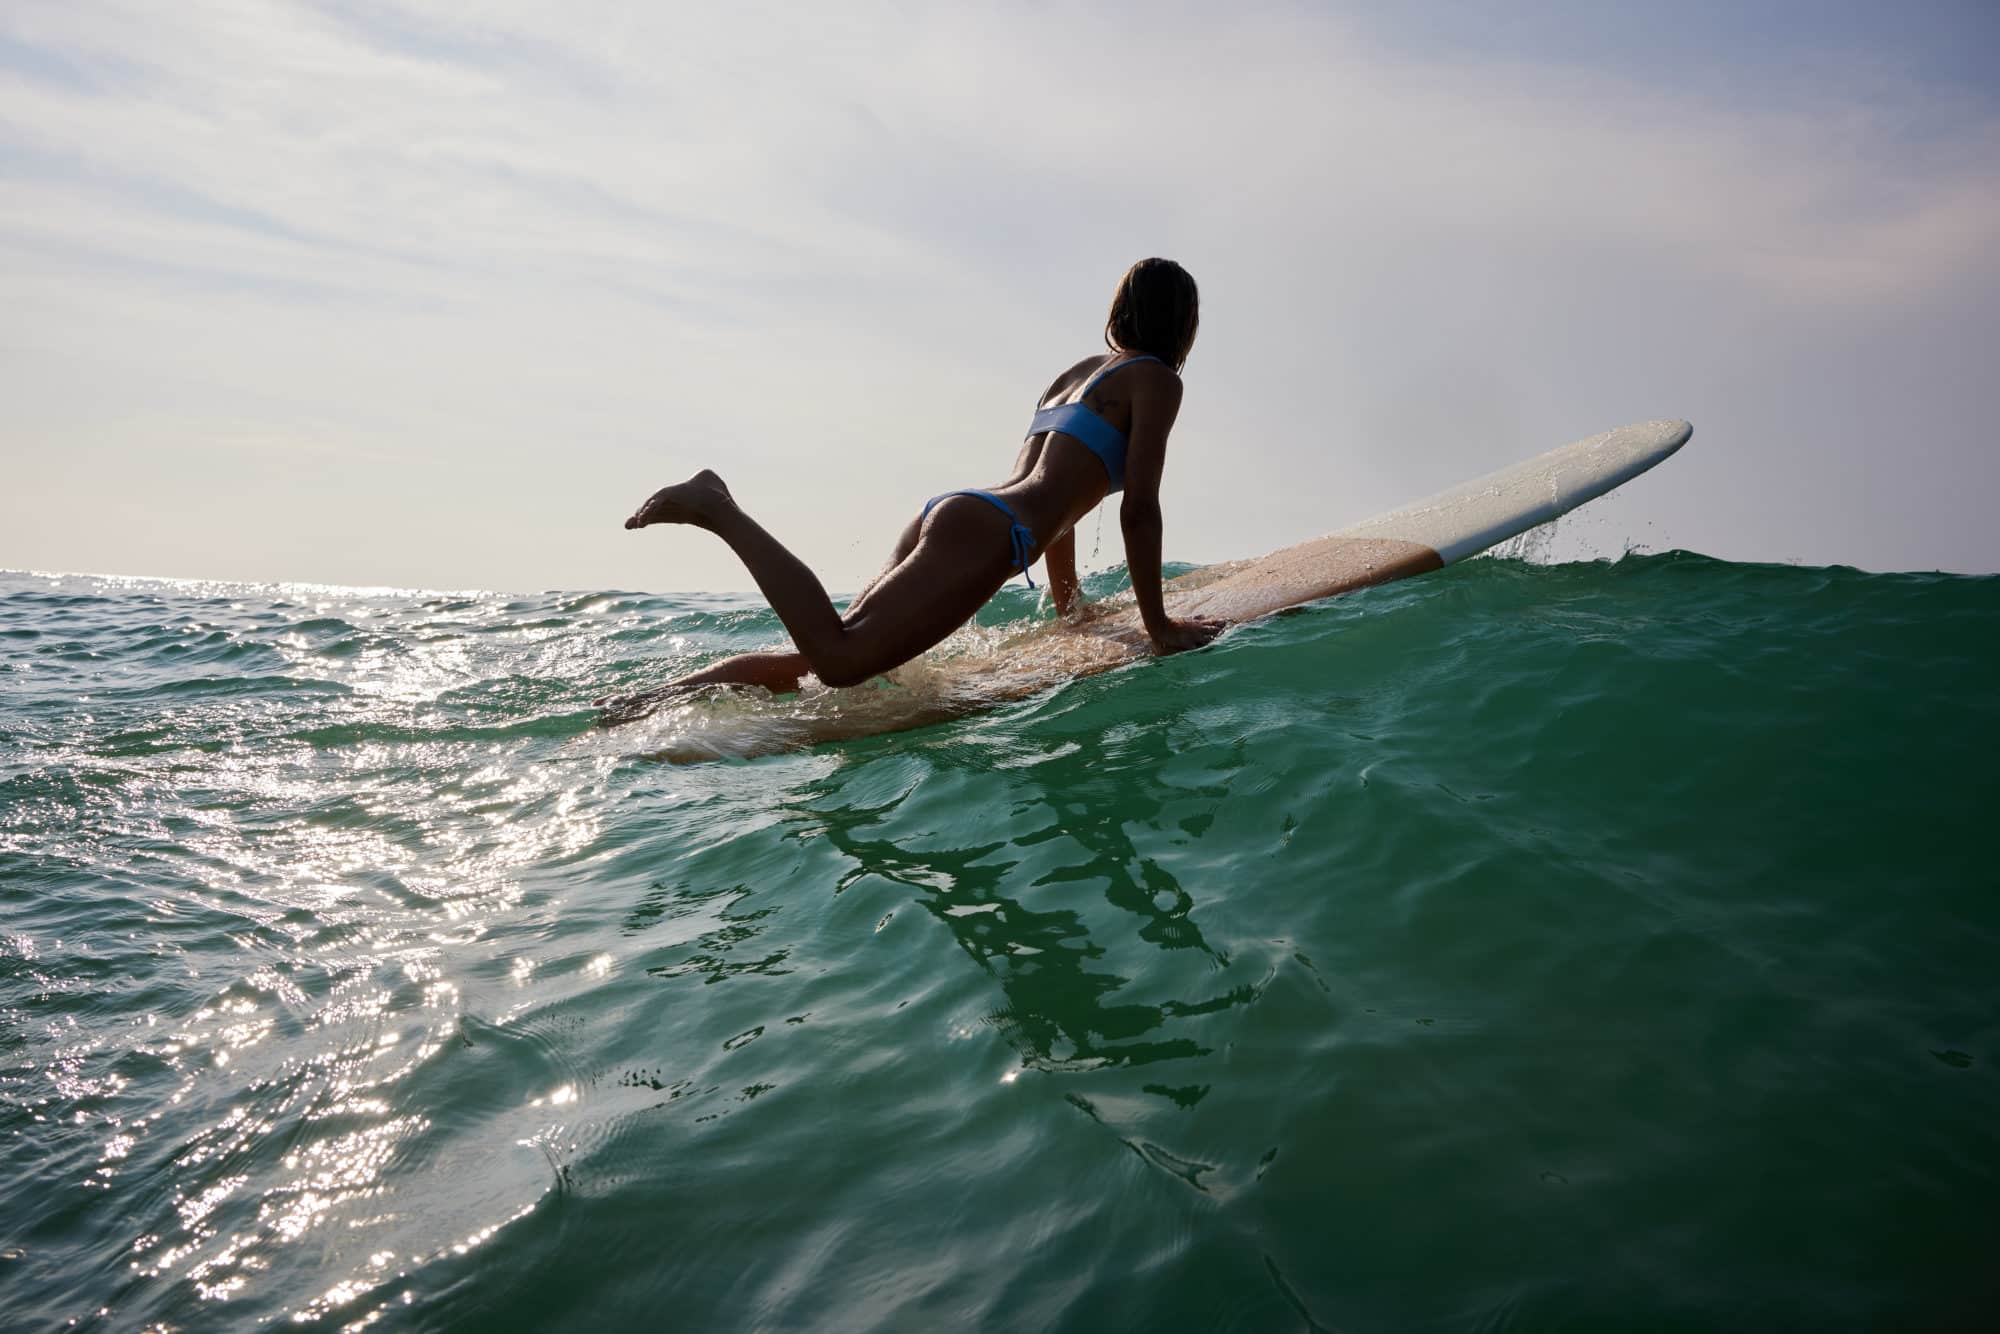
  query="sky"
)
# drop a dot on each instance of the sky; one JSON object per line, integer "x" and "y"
{"x": 433, "y": 294}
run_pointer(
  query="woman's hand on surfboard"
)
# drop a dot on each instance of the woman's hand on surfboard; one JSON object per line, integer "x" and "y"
{"x": 1186, "y": 633}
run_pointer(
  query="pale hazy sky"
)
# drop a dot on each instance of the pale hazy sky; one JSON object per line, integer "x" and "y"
{"x": 431, "y": 294}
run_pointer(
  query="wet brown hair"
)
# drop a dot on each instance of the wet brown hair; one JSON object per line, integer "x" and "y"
{"x": 1156, "y": 309}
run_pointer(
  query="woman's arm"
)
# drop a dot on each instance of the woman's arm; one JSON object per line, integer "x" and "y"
{"x": 1154, "y": 409}
{"x": 1059, "y": 563}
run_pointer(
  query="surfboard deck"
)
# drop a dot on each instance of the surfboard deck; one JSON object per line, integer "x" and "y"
{"x": 1416, "y": 539}
{"x": 980, "y": 668}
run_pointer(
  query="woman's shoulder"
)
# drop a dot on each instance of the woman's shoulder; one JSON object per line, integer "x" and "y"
{"x": 1082, "y": 370}
{"x": 1143, "y": 374}
{"x": 1147, "y": 371}
{"x": 1071, "y": 378}
{"x": 1140, "y": 365}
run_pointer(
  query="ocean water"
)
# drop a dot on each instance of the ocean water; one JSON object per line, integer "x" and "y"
{"x": 1606, "y": 945}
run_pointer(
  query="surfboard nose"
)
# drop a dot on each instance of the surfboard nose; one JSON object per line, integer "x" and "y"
{"x": 1679, "y": 430}
{"x": 1469, "y": 518}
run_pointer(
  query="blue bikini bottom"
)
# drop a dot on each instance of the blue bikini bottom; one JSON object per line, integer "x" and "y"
{"x": 1019, "y": 535}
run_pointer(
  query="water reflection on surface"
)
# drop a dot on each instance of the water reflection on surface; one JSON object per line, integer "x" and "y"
{"x": 350, "y": 973}
{"x": 1093, "y": 940}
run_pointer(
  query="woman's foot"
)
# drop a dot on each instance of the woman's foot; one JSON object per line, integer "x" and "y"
{"x": 698, "y": 500}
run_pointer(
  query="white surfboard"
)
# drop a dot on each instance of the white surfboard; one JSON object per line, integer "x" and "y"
{"x": 980, "y": 667}
{"x": 1447, "y": 527}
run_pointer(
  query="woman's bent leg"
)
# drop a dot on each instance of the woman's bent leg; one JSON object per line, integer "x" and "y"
{"x": 938, "y": 586}
{"x": 779, "y": 673}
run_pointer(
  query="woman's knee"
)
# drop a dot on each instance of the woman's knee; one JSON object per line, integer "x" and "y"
{"x": 843, "y": 671}
{"x": 852, "y": 659}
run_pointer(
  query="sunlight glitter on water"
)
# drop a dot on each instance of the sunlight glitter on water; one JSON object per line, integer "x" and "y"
{"x": 359, "y": 976}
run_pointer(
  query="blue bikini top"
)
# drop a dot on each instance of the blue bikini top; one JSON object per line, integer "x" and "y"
{"x": 1079, "y": 423}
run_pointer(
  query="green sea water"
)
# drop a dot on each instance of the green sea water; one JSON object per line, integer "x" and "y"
{"x": 1592, "y": 946}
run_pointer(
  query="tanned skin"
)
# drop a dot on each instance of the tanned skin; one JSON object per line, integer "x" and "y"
{"x": 944, "y": 567}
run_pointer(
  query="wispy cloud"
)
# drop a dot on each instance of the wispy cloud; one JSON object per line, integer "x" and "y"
{"x": 555, "y": 252}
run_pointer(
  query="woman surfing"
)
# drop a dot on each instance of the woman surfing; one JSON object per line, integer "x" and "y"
{"x": 1101, "y": 428}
